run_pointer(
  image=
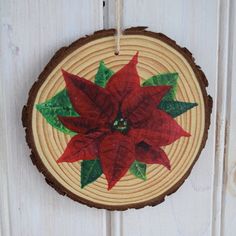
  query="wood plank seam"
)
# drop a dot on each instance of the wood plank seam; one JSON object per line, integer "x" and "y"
{"x": 221, "y": 116}
{"x": 106, "y": 14}
{"x": 107, "y": 214}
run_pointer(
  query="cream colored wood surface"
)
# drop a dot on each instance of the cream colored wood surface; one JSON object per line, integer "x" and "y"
{"x": 31, "y": 31}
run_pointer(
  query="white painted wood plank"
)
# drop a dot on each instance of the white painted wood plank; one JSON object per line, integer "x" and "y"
{"x": 116, "y": 224}
{"x": 193, "y": 24}
{"x": 229, "y": 194}
{"x": 31, "y": 32}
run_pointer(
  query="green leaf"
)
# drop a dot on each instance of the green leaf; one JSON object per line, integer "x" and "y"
{"x": 58, "y": 105}
{"x": 164, "y": 79}
{"x": 103, "y": 75}
{"x": 176, "y": 108}
{"x": 138, "y": 169}
{"x": 90, "y": 171}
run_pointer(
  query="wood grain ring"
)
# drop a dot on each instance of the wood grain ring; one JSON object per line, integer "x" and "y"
{"x": 157, "y": 53}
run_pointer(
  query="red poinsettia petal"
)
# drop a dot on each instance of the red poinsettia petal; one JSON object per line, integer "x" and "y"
{"x": 89, "y": 99}
{"x": 81, "y": 147}
{"x": 156, "y": 93}
{"x": 159, "y": 130}
{"x": 152, "y": 155}
{"x": 136, "y": 106}
{"x": 124, "y": 81}
{"x": 83, "y": 125}
{"x": 116, "y": 153}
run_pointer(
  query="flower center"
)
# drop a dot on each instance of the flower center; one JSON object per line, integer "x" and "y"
{"x": 120, "y": 124}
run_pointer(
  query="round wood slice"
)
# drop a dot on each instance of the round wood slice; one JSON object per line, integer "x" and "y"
{"x": 157, "y": 54}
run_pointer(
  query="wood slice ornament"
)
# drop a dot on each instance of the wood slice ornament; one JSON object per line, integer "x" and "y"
{"x": 118, "y": 131}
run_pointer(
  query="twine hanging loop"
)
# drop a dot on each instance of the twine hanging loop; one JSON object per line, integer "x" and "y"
{"x": 118, "y": 26}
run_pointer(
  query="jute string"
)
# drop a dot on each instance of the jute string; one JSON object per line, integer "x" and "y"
{"x": 118, "y": 26}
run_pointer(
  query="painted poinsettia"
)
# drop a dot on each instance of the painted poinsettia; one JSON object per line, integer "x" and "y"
{"x": 118, "y": 124}
{"x": 146, "y": 151}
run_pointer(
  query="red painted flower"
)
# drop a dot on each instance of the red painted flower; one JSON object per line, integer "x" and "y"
{"x": 118, "y": 124}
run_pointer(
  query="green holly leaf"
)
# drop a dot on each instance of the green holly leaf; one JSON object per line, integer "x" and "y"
{"x": 176, "y": 108}
{"x": 90, "y": 171}
{"x": 164, "y": 79}
{"x": 103, "y": 75}
{"x": 138, "y": 169}
{"x": 58, "y": 105}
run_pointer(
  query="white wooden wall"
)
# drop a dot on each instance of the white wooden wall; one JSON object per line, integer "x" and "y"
{"x": 31, "y": 31}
